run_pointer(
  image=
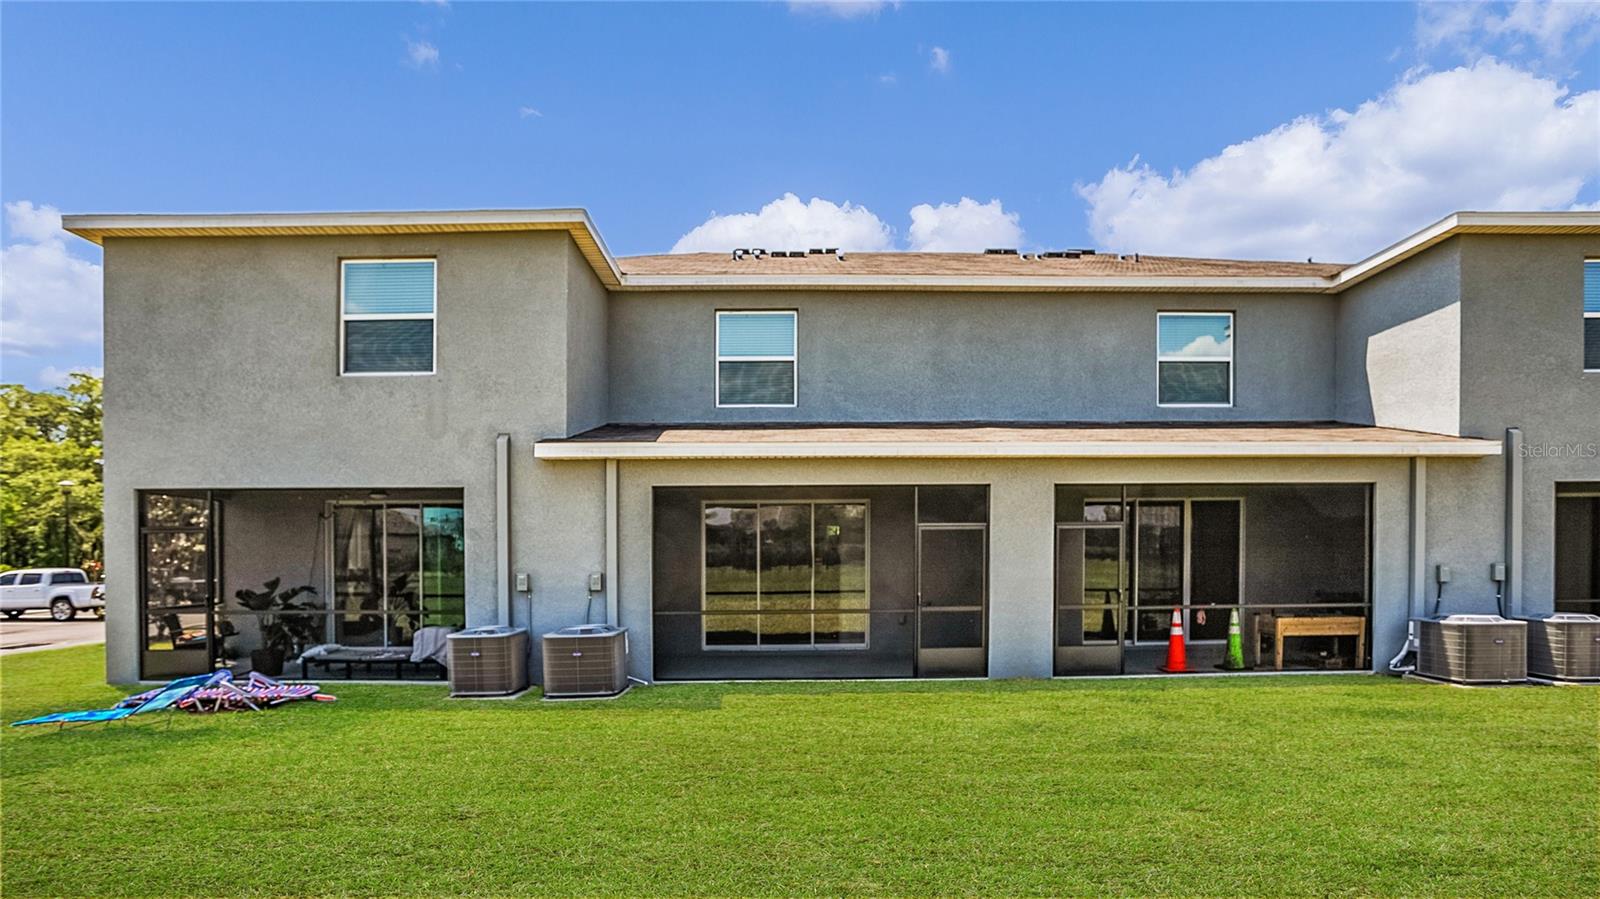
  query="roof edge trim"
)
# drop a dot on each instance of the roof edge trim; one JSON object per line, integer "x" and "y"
{"x": 642, "y": 450}
{"x": 95, "y": 227}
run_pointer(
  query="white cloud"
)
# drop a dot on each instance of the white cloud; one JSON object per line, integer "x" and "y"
{"x": 529, "y": 112}
{"x": 1341, "y": 185}
{"x": 1552, "y": 31}
{"x": 888, "y": 78}
{"x": 1207, "y": 347}
{"x": 51, "y": 376}
{"x": 964, "y": 226}
{"x": 939, "y": 60}
{"x": 843, "y": 9}
{"x": 49, "y": 299}
{"x": 788, "y": 224}
{"x": 421, "y": 54}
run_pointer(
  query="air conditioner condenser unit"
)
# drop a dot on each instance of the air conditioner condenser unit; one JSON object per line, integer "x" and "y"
{"x": 585, "y": 661}
{"x": 488, "y": 661}
{"x": 1473, "y": 649}
{"x": 1564, "y": 646}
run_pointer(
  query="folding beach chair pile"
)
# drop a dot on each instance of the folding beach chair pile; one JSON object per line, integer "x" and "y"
{"x": 201, "y": 693}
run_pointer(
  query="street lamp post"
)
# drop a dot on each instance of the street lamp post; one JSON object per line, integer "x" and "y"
{"x": 66, "y": 520}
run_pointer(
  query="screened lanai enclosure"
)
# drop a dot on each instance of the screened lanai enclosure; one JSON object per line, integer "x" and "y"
{"x": 382, "y": 572}
{"x": 821, "y": 582}
{"x": 893, "y": 581}
{"x": 1293, "y": 561}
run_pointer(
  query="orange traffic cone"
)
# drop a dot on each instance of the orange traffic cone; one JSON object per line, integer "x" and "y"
{"x": 1177, "y": 657}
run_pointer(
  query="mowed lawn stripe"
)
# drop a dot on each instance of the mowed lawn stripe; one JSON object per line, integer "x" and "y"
{"x": 1298, "y": 785}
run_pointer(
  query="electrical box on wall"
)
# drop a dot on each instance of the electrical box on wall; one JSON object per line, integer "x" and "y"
{"x": 524, "y": 582}
{"x": 597, "y": 582}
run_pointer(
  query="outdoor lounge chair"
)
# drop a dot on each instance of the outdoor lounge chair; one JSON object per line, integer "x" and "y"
{"x": 165, "y": 698}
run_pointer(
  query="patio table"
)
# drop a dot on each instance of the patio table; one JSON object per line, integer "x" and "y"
{"x": 1278, "y": 627}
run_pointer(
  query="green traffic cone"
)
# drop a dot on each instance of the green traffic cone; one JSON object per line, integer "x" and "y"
{"x": 1234, "y": 661}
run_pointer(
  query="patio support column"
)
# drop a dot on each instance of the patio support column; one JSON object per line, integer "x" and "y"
{"x": 613, "y": 585}
{"x": 502, "y": 525}
{"x": 1021, "y": 589}
{"x": 1419, "y": 537}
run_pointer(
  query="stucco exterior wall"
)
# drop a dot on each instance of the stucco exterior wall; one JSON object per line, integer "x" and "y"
{"x": 1522, "y": 349}
{"x": 222, "y": 372}
{"x": 1398, "y": 359}
{"x": 1022, "y": 518}
{"x": 957, "y": 357}
{"x": 587, "y": 375}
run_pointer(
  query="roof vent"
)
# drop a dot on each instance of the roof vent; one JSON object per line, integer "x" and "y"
{"x": 740, "y": 253}
{"x": 1000, "y": 251}
{"x": 758, "y": 252}
{"x": 816, "y": 251}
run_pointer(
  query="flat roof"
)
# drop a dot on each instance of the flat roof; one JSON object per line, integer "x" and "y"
{"x": 1006, "y": 440}
{"x": 858, "y": 271}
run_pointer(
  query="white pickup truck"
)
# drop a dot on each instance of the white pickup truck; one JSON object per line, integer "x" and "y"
{"x": 64, "y": 591}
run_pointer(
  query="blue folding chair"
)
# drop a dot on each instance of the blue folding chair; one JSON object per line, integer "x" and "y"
{"x": 165, "y": 698}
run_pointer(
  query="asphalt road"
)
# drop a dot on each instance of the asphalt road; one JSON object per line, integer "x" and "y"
{"x": 35, "y": 630}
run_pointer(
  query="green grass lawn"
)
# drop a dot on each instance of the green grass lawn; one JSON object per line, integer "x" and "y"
{"x": 1305, "y": 785}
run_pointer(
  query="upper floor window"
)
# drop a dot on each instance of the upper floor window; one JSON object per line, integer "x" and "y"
{"x": 1194, "y": 358}
{"x": 756, "y": 359}
{"x": 1591, "y": 315}
{"x": 386, "y": 316}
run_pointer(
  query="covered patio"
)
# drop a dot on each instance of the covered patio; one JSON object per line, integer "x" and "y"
{"x": 361, "y": 582}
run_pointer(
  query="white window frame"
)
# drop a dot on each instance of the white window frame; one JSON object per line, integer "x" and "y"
{"x": 793, "y": 359}
{"x": 1160, "y": 358}
{"x": 406, "y": 316}
{"x": 1587, "y": 315}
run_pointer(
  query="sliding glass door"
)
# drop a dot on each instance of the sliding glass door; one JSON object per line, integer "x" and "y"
{"x": 397, "y": 567}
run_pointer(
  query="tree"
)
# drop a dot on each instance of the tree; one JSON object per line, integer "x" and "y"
{"x": 46, "y": 437}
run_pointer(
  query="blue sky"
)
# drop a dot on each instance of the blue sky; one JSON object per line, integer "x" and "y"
{"x": 942, "y": 125}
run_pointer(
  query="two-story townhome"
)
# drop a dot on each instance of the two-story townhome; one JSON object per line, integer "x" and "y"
{"x": 800, "y": 462}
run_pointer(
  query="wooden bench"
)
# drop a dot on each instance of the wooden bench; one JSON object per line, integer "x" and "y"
{"x": 1279, "y": 627}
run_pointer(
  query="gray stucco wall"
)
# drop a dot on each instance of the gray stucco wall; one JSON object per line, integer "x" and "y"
{"x": 1399, "y": 346}
{"x": 955, "y": 357}
{"x": 1522, "y": 349}
{"x": 588, "y": 380}
{"x": 221, "y": 372}
{"x": 1476, "y": 335}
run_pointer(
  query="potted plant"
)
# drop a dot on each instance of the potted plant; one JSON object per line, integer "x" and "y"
{"x": 282, "y": 632}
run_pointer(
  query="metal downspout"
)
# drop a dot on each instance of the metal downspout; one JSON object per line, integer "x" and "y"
{"x": 1419, "y": 537}
{"x": 502, "y": 525}
{"x": 1513, "y": 552}
{"x": 613, "y": 586}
